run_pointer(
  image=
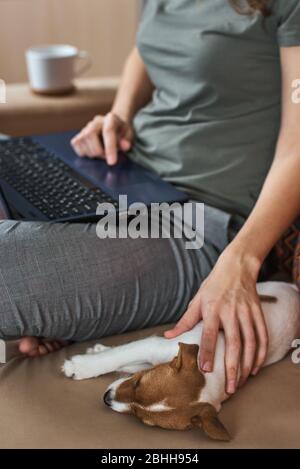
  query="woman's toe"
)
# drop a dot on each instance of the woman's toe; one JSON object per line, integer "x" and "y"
{"x": 35, "y": 347}
{"x": 29, "y": 345}
{"x": 49, "y": 346}
{"x": 43, "y": 349}
{"x": 58, "y": 345}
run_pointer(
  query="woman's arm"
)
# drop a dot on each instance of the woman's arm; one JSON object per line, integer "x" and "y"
{"x": 135, "y": 90}
{"x": 105, "y": 135}
{"x": 228, "y": 297}
{"x": 279, "y": 202}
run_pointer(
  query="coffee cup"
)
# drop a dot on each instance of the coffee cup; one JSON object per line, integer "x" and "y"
{"x": 52, "y": 68}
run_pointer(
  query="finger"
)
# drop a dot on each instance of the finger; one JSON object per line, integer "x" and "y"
{"x": 42, "y": 350}
{"x": 28, "y": 344}
{"x": 208, "y": 342}
{"x": 110, "y": 143}
{"x": 87, "y": 149}
{"x": 249, "y": 345}
{"x": 91, "y": 139}
{"x": 127, "y": 139}
{"x": 83, "y": 148}
{"x": 92, "y": 129}
{"x": 232, "y": 353}
{"x": 93, "y": 146}
{"x": 96, "y": 146}
{"x": 49, "y": 346}
{"x": 77, "y": 147}
{"x": 56, "y": 345}
{"x": 77, "y": 137}
{"x": 78, "y": 144}
{"x": 125, "y": 145}
{"x": 186, "y": 323}
{"x": 84, "y": 142}
{"x": 262, "y": 338}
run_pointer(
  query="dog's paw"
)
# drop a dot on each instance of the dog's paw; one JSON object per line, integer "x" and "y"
{"x": 68, "y": 369}
{"x": 77, "y": 368}
{"x": 98, "y": 348}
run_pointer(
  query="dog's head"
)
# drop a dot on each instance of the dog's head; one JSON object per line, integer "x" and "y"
{"x": 167, "y": 396}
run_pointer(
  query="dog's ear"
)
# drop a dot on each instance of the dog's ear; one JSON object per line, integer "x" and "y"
{"x": 207, "y": 419}
{"x": 187, "y": 356}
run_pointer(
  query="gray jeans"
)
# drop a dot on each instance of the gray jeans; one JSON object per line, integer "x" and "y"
{"x": 62, "y": 281}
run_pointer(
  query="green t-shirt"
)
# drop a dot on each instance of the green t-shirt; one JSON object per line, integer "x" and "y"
{"x": 213, "y": 123}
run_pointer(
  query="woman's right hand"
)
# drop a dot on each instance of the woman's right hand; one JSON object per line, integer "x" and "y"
{"x": 103, "y": 137}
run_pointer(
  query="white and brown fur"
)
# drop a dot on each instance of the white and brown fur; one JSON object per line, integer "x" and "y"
{"x": 166, "y": 388}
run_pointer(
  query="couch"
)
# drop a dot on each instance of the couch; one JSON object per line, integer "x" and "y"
{"x": 40, "y": 408}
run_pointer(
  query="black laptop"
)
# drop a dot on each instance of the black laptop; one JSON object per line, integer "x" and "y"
{"x": 42, "y": 179}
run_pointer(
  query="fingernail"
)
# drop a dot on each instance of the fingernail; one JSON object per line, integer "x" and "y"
{"x": 255, "y": 371}
{"x": 231, "y": 387}
{"x": 206, "y": 367}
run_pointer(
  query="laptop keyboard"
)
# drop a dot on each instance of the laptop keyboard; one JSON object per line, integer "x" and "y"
{"x": 47, "y": 182}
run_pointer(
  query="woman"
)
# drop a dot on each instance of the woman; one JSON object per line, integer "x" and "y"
{"x": 206, "y": 102}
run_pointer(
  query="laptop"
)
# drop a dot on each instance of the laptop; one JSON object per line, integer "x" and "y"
{"x": 42, "y": 179}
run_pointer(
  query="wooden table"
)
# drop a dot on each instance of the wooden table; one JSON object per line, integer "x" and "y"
{"x": 26, "y": 113}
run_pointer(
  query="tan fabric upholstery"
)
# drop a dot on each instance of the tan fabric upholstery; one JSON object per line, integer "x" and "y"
{"x": 40, "y": 408}
{"x": 26, "y": 113}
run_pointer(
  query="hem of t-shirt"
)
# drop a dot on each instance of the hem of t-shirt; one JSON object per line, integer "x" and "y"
{"x": 289, "y": 39}
{"x": 241, "y": 211}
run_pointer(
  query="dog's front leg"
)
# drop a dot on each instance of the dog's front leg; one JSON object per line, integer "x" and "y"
{"x": 150, "y": 351}
{"x": 131, "y": 369}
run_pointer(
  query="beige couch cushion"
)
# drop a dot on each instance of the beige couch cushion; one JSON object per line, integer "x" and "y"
{"x": 40, "y": 408}
{"x": 26, "y": 113}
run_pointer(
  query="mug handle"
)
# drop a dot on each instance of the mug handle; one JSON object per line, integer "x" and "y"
{"x": 83, "y": 55}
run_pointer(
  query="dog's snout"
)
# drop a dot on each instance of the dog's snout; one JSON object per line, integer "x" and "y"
{"x": 107, "y": 398}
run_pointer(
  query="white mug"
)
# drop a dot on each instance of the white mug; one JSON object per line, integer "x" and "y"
{"x": 52, "y": 68}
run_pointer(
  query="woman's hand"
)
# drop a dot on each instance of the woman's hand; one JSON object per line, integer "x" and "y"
{"x": 228, "y": 300}
{"x": 103, "y": 137}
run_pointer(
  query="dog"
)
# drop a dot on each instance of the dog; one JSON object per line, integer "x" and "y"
{"x": 165, "y": 387}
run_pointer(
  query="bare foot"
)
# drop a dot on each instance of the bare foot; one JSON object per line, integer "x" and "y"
{"x": 36, "y": 347}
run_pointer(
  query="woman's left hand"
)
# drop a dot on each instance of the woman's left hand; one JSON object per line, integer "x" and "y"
{"x": 228, "y": 300}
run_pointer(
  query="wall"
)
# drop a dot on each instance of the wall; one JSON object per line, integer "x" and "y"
{"x": 106, "y": 28}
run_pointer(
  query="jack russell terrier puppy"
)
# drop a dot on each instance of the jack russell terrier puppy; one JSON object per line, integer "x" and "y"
{"x": 166, "y": 388}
